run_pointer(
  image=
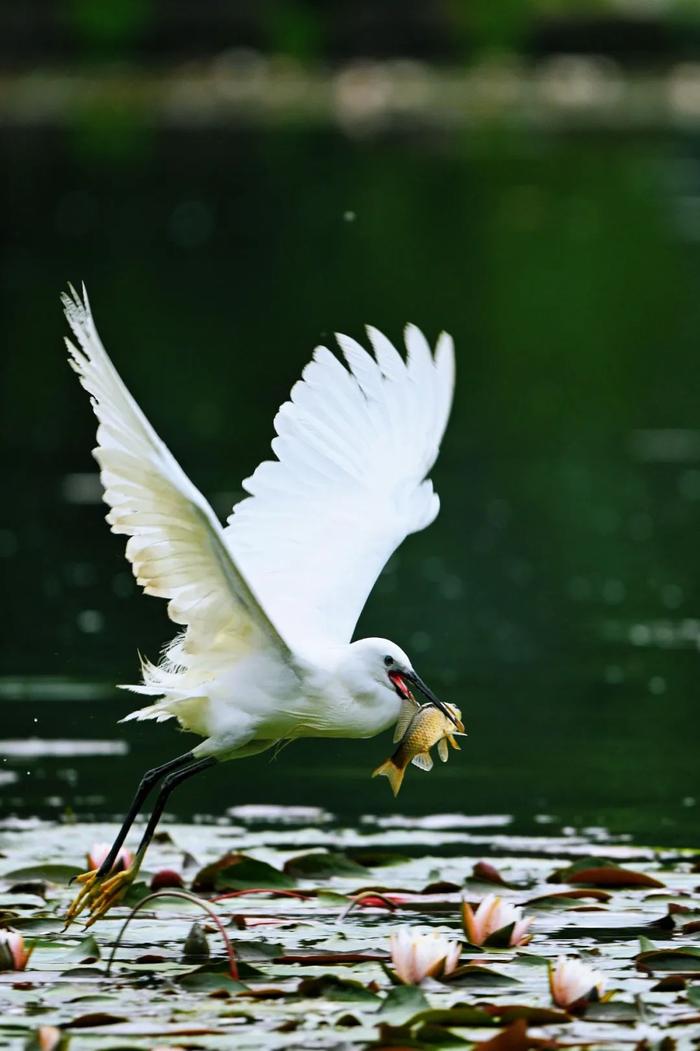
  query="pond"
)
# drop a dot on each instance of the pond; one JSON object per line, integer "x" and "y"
{"x": 556, "y": 597}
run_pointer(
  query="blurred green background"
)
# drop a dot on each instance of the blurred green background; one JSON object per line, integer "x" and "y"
{"x": 234, "y": 182}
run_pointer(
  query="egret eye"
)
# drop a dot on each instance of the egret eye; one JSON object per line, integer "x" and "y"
{"x": 388, "y": 661}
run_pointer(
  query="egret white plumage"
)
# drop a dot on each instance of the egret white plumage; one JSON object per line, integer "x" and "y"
{"x": 268, "y": 604}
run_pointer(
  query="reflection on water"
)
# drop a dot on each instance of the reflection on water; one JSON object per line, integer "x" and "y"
{"x": 556, "y": 598}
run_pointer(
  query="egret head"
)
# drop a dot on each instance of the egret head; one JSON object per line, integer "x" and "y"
{"x": 388, "y": 666}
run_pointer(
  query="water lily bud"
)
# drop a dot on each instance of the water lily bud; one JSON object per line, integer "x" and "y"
{"x": 13, "y": 954}
{"x": 196, "y": 945}
{"x": 417, "y": 956}
{"x": 495, "y": 917}
{"x": 166, "y": 878}
{"x": 48, "y": 1038}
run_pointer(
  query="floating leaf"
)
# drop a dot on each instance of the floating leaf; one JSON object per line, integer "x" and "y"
{"x": 374, "y": 859}
{"x": 613, "y": 1011}
{"x": 50, "y": 873}
{"x": 257, "y": 950}
{"x": 681, "y": 960}
{"x": 237, "y": 872}
{"x": 208, "y": 979}
{"x": 568, "y": 899}
{"x": 673, "y": 983}
{"x": 599, "y": 872}
{"x": 93, "y": 1020}
{"x": 457, "y": 1015}
{"x": 401, "y": 1003}
{"x": 87, "y": 950}
{"x": 37, "y": 887}
{"x": 313, "y": 957}
{"x": 477, "y": 974}
{"x": 322, "y": 865}
{"x": 331, "y": 987}
{"x": 504, "y": 1014}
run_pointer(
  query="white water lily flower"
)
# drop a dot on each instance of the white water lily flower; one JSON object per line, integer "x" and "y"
{"x": 573, "y": 980}
{"x": 417, "y": 955}
{"x": 492, "y": 915}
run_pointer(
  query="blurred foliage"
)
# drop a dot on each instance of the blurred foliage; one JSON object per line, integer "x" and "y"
{"x": 314, "y": 31}
{"x": 106, "y": 27}
{"x": 292, "y": 27}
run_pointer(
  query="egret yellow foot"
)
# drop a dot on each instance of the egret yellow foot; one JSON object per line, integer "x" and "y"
{"x": 99, "y": 893}
{"x": 88, "y": 880}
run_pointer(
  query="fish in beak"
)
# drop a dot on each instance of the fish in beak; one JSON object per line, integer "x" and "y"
{"x": 401, "y": 678}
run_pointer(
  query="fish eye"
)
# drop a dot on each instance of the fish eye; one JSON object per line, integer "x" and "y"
{"x": 388, "y": 661}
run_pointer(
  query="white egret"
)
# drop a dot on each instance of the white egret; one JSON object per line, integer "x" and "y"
{"x": 268, "y": 603}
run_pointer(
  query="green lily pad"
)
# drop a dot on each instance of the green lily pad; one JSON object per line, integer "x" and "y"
{"x": 459, "y": 1015}
{"x": 682, "y": 960}
{"x": 332, "y": 987}
{"x": 322, "y": 865}
{"x": 478, "y": 975}
{"x": 51, "y": 873}
{"x": 240, "y": 872}
{"x": 401, "y": 1003}
{"x": 209, "y": 980}
{"x": 87, "y": 950}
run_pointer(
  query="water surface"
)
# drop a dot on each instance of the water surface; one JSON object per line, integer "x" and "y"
{"x": 556, "y": 597}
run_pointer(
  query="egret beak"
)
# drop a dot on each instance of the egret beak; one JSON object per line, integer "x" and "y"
{"x": 415, "y": 680}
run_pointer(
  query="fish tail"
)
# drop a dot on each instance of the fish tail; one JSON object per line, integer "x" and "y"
{"x": 393, "y": 772}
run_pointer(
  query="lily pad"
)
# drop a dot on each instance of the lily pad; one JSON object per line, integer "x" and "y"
{"x": 478, "y": 975}
{"x": 680, "y": 960}
{"x": 401, "y": 1003}
{"x": 332, "y": 987}
{"x": 49, "y": 873}
{"x": 236, "y": 871}
{"x": 322, "y": 865}
{"x": 600, "y": 872}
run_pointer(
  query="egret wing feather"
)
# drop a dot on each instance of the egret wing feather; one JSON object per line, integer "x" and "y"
{"x": 354, "y": 446}
{"x": 176, "y": 545}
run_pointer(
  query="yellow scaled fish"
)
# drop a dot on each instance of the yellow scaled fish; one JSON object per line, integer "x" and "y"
{"x": 418, "y": 729}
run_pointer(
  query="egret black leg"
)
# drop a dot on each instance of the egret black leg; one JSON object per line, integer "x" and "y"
{"x": 99, "y": 890}
{"x": 148, "y": 781}
{"x": 171, "y": 782}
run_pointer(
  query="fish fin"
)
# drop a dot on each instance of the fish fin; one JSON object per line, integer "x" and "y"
{"x": 395, "y": 774}
{"x": 408, "y": 710}
{"x": 443, "y": 750}
{"x": 423, "y": 761}
{"x": 453, "y": 741}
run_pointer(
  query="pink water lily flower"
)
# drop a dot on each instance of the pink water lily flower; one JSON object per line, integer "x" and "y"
{"x": 418, "y": 955}
{"x": 99, "y": 851}
{"x": 493, "y": 914}
{"x": 573, "y": 980}
{"x": 13, "y": 954}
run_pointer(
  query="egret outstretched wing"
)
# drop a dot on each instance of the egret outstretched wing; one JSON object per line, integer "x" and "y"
{"x": 354, "y": 446}
{"x": 176, "y": 546}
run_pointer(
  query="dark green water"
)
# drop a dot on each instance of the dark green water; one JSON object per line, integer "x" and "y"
{"x": 555, "y": 599}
